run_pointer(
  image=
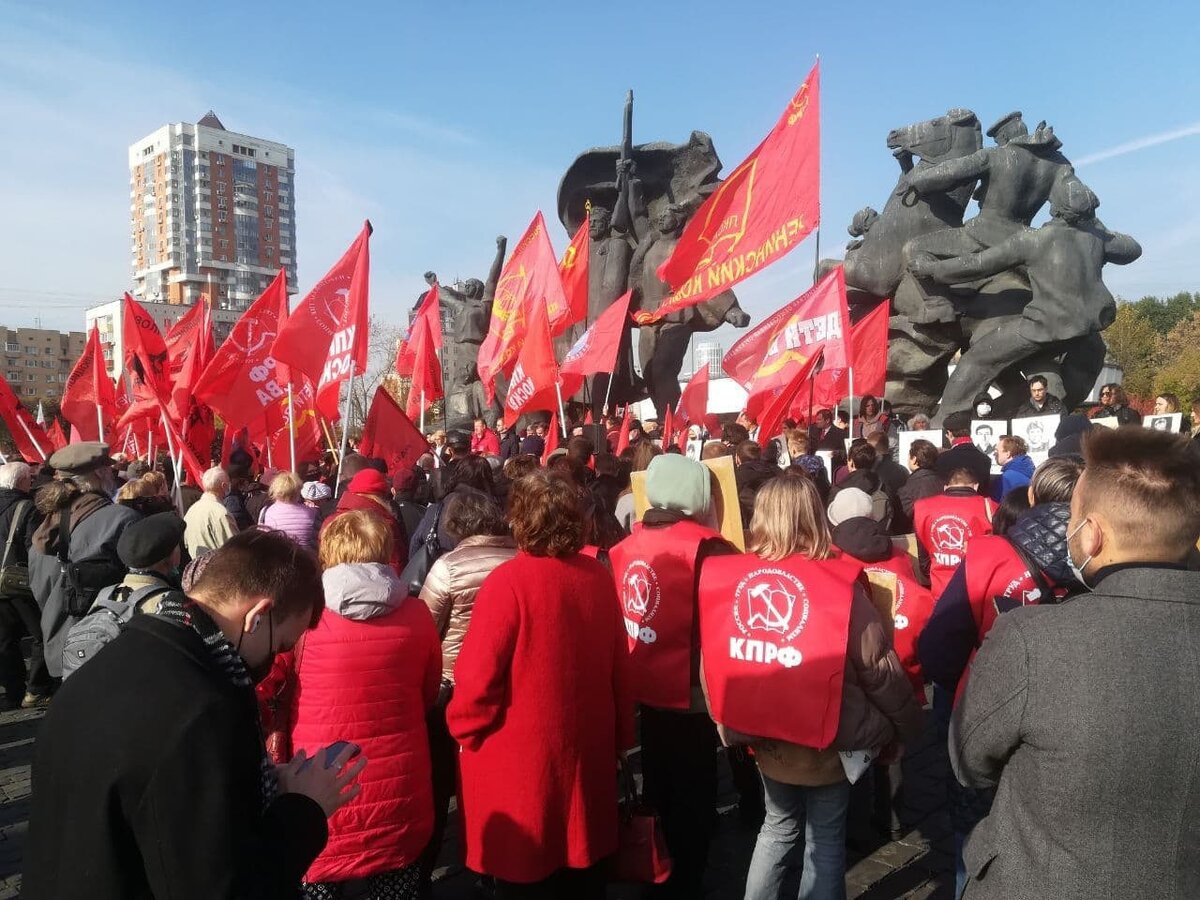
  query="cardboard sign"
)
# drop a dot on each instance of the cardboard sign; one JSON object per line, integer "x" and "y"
{"x": 1038, "y": 432}
{"x": 905, "y": 441}
{"x": 725, "y": 499}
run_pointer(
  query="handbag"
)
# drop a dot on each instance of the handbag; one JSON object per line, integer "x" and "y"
{"x": 14, "y": 577}
{"x": 417, "y": 569}
{"x": 641, "y": 856}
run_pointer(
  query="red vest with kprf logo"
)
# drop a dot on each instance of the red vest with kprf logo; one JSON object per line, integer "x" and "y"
{"x": 914, "y": 605}
{"x": 773, "y": 641}
{"x": 944, "y": 523}
{"x": 655, "y": 571}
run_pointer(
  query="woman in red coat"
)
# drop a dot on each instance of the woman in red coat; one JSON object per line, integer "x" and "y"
{"x": 368, "y": 673}
{"x": 539, "y": 706}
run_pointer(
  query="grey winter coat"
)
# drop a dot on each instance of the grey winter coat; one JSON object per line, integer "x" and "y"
{"x": 92, "y": 535}
{"x": 1085, "y": 717}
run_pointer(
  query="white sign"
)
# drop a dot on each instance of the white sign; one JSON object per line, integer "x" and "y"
{"x": 1167, "y": 422}
{"x": 905, "y": 441}
{"x": 1038, "y": 433}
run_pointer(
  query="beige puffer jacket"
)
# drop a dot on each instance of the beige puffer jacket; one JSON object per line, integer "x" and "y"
{"x": 451, "y": 586}
{"x": 878, "y": 707}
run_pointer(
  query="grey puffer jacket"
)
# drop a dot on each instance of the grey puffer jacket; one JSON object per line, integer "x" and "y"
{"x": 878, "y": 707}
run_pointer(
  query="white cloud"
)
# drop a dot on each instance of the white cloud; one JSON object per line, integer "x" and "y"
{"x": 1142, "y": 143}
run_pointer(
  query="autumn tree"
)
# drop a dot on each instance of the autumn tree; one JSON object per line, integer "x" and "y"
{"x": 1131, "y": 342}
{"x": 1177, "y": 355}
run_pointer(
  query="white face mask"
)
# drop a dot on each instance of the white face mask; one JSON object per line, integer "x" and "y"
{"x": 1077, "y": 570}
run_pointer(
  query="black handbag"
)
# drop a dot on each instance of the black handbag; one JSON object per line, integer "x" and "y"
{"x": 417, "y": 569}
{"x": 14, "y": 577}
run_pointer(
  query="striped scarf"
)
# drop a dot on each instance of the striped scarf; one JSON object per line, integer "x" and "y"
{"x": 178, "y": 609}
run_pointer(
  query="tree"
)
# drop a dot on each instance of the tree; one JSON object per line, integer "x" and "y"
{"x": 1131, "y": 342}
{"x": 1163, "y": 315}
{"x": 1177, "y": 354}
{"x": 382, "y": 342}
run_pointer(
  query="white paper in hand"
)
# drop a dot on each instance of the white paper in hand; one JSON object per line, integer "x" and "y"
{"x": 856, "y": 762}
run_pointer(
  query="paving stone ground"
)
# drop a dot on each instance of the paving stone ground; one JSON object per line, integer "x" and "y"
{"x": 919, "y": 866}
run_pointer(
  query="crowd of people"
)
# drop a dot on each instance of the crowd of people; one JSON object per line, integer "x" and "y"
{"x": 280, "y": 682}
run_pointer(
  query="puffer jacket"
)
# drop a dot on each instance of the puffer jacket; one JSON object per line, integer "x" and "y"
{"x": 954, "y": 631}
{"x": 878, "y": 707}
{"x": 368, "y": 673}
{"x": 451, "y": 586}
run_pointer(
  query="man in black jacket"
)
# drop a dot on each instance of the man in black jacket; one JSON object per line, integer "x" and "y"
{"x": 19, "y": 613}
{"x": 963, "y": 454}
{"x": 150, "y": 778}
{"x": 923, "y": 482}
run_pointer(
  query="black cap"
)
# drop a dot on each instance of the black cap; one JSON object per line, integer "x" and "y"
{"x": 149, "y": 541}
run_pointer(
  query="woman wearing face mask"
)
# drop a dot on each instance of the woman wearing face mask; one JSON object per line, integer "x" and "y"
{"x": 368, "y": 673}
{"x": 152, "y": 778}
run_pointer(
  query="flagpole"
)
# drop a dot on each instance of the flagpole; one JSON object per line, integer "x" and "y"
{"x": 100, "y": 421}
{"x": 345, "y": 429}
{"x": 850, "y": 372}
{"x": 171, "y": 455}
{"x": 562, "y": 413}
{"x": 33, "y": 440}
{"x": 291, "y": 427}
{"x": 150, "y": 448}
{"x": 608, "y": 392}
{"x": 421, "y": 427}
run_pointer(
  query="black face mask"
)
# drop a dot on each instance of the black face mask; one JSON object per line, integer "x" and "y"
{"x": 260, "y": 671}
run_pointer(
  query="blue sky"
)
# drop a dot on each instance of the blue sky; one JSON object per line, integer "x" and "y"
{"x": 449, "y": 123}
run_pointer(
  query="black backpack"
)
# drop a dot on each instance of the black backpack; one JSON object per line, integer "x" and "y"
{"x": 111, "y": 612}
{"x": 84, "y": 579}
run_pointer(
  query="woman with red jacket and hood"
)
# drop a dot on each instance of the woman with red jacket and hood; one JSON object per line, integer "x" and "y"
{"x": 368, "y": 674}
{"x": 369, "y": 491}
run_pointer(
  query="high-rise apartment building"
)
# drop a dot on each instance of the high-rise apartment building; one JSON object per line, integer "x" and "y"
{"x": 212, "y": 212}
{"x": 708, "y": 353}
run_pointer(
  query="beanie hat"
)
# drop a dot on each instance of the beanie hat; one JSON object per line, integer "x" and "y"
{"x": 315, "y": 491}
{"x": 368, "y": 481}
{"x": 678, "y": 483}
{"x": 850, "y": 503}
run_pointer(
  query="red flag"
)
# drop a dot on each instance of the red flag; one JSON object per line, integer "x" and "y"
{"x": 868, "y": 355}
{"x": 596, "y": 349}
{"x": 429, "y": 315}
{"x": 58, "y": 440}
{"x": 668, "y": 428}
{"x": 766, "y": 359}
{"x": 770, "y": 423}
{"x": 762, "y": 211}
{"x": 305, "y": 422}
{"x": 574, "y": 272}
{"x": 530, "y": 280}
{"x": 693, "y": 405}
{"x": 145, "y": 353}
{"x": 683, "y": 439}
{"x": 28, "y": 437}
{"x": 426, "y": 384}
{"x": 533, "y": 381}
{"x": 587, "y": 419}
{"x": 243, "y": 379}
{"x": 390, "y": 434}
{"x": 89, "y": 388}
{"x": 553, "y": 437}
{"x": 623, "y": 434}
{"x": 325, "y": 337}
{"x": 188, "y": 351}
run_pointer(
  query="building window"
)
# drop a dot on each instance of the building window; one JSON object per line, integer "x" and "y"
{"x": 146, "y": 151}
{"x": 31, "y": 363}
{"x": 30, "y": 391}
{"x": 220, "y": 187}
{"x": 49, "y": 363}
{"x": 224, "y": 245}
{"x": 223, "y": 217}
{"x": 14, "y": 376}
{"x": 221, "y": 203}
{"x": 12, "y": 348}
{"x": 31, "y": 377}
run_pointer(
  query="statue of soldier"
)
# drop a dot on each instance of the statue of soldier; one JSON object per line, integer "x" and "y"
{"x": 1069, "y": 305}
{"x": 663, "y": 345}
{"x": 610, "y": 251}
{"x": 1015, "y": 179}
{"x": 471, "y": 312}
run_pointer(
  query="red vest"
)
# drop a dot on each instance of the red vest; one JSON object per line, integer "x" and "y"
{"x": 655, "y": 570}
{"x": 773, "y": 640}
{"x": 914, "y": 605}
{"x": 943, "y": 525}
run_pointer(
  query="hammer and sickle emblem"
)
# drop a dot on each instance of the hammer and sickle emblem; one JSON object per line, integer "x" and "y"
{"x": 798, "y": 105}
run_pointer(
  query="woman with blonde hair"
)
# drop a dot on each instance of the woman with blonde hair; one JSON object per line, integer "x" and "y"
{"x": 368, "y": 673}
{"x": 288, "y": 512}
{"x": 796, "y": 663}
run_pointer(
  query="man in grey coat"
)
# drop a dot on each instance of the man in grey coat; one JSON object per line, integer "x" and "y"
{"x": 1084, "y": 715}
{"x": 80, "y": 518}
